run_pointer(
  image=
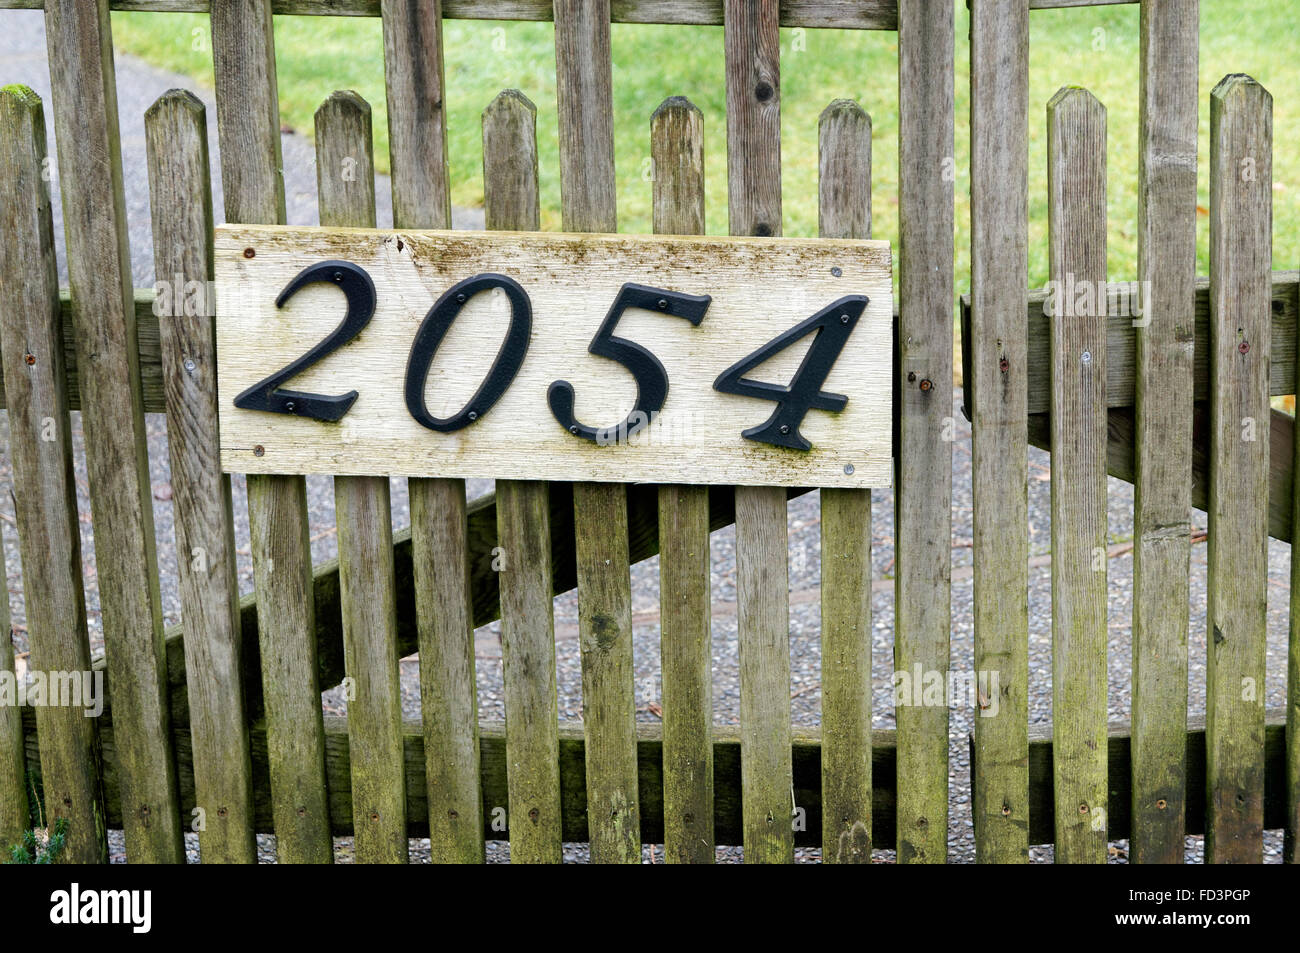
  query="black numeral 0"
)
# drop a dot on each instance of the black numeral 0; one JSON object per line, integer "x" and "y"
{"x": 651, "y": 378}
{"x": 434, "y": 328}
{"x": 360, "y": 293}
{"x": 833, "y": 324}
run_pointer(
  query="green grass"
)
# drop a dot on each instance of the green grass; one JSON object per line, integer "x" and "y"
{"x": 1093, "y": 47}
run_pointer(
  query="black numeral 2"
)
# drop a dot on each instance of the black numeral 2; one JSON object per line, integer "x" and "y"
{"x": 266, "y": 393}
{"x": 832, "y": 324}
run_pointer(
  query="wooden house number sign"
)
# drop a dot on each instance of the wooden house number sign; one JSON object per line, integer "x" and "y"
{"x": 554, "y": 356}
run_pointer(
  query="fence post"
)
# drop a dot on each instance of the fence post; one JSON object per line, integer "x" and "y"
{"x": 1163, "y": 422}
{"x": 181, "y": 201}
{"x": 1076, "y": 174}
{"x": 844, "y": 191}
{"x": 677, "y": 163}
{"x": 1241, "y": 253}
{"x": 999, "y": 98}
{"x": 45, "y": 499}
{"x": 108, "y": 360}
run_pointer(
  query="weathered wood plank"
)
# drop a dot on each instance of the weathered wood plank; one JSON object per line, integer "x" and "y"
{"x": 181, "y": 202}
{"x": 14, "y": 810}
{"x": 1291, "y": 841}
{"x": 416, "y": 85}
{"x": 1161, "y": 513}
{"x": 752, "y": 48}
{"x": 248, "y": 125}
{"x": 365, "y": 534}
{"x": 525, "y": 517}
{"x": 584, "y": 93}
{"x": 1076, "y": 177}
{"x": 84, "y": 90}
{"x": 860, "y": 15}
{"x": 923, "y": 385}
{"x": 1241, "y": 248}
{"x": 844, "y": 211}
{"x": 999, "y": 208}
{"x": 806, "y": 758}
{"x": 528, "y": 663}
{"x": 45, "y": 497}
{"x": 686, "y": 646}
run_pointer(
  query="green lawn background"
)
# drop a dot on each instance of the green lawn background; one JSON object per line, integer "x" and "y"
{"x": 1095, "y": 47}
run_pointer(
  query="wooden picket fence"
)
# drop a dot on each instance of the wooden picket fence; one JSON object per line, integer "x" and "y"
{"x": 221, "y": 719}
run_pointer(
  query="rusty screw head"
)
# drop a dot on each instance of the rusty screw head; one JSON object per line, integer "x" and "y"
{"x": 259, "y": 450}
{"x": 1083, "y": 808}
{"x": 1161, "y": 804}
{"x": 926, "y": 384}
{"x": 30, "y": 359}
{"x": 1006, "y": 810}
{"x": 911, "y": 376}
{"x": 1244, "y": 347}
{"x": 249, "y": 253}
{"x": 1003, "y": 365}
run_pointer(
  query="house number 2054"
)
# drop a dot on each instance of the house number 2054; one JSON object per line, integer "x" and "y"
{"x": 832, "y": 326}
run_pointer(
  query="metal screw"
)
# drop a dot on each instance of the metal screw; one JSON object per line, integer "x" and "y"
{"x": 848, "y": 469}
{"x": 1244, "y": 347}
{"x": 1004, "y": 364}
{"x": 844, "y": 319}
{"x": 573, "y": 429}
{"x": 338, "y": 276}
{"x": 1086, "y": 357}
{"x": 663, "y": 304}
{"x": 259, "y": 450}
{"x": 290, "y": 406}
{"x": 926, "y": 384}
{"x": 1006, "y": 810}
{"x": 460, "y": 298}
{"x": 785, "y": 428}
{"x": 30, "y": 359}
{"x": 837, "y": 271}
{"x": 1083, "y": 808}
{"x": 473, "y": 415}
{"x": 911, "y": 376}
{"x": 189, "y": 365}
{"x": 1161, "y": 804}
{"x": 222, "y": 812}
{"x": 249, "y": 253}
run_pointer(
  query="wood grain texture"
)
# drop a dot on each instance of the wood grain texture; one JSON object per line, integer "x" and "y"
{"x": 248, "y": 125}
{"x": 1167, "y": 142}
{"x": 859, "y": 15}
{"x": 999, "y": 157}
{"x": 14, "y": 808}
{"x": 923, "y": 388}
{"x": 528, "y": 666}
{"x": 181, "y": 203}
{"x": 584, "y": 93}
{"x": 524, "y": 521}
{"x": 45, "y": 495}
{"x": 414, "y": 74}
{"x": 844, "y": 211}
{"x": 1241, "y": 249}
{"x": 80, "y": 46}
{"x": 751, "y": 44}
{"x": 1291, "y": 839}
{"x": 1076, "y": 175}
{"x": 686, "y": 646}
{"x": 417, "y": 115}
{"x": 572, "y": 280}
{"x": 365, "y": 534}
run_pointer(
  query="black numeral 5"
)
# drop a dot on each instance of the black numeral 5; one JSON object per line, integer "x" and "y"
{"x": 646, "y": 369}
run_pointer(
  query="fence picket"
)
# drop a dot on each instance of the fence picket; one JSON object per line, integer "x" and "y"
{"x": 365, "y": 533}
{"x": 14, "y": 807}
{"x": 181, "y": 203}
{"x": 1167, "y": 136}
{"x": 584, "y": 90}
{"x": 1291, "y": 839}
{"x": 99, "y": 271}
{"x": 752, "y": 46}
{"x": 1076, "y": 172}
{"x": 252, "y": 180}
{"x": 999, "y": 214}
{"x": 415, "y": 84}
{"x": 677, "y": 156}
{"x": 1241, "y": 250}
{"x": 845, "y": 212}
{"x": 923, "y": 382}
{"x": 45, "y": 497}
{"x": 510, "y": 199}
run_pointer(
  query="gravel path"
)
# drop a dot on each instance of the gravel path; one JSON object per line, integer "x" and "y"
{"x": 22, "y": 59}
